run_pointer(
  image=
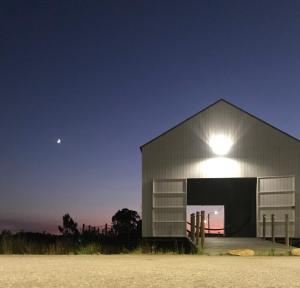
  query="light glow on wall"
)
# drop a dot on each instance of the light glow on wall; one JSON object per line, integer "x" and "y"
{"x": 219, "y": 167}
{"x": 220, "y": 144}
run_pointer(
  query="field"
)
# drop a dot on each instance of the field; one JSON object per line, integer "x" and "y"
{"x": 148, "y": 271}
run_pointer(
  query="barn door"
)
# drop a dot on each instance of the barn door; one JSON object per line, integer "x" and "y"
{"x": 169, "y": 208}
{"x": 276, "y": 195}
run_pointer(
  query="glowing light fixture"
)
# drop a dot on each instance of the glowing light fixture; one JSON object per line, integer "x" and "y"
{"x": 220, "y": 144}
{"x": 216, "y": 212}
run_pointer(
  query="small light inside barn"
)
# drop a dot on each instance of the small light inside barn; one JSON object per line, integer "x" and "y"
{"x": 220, "y": 144}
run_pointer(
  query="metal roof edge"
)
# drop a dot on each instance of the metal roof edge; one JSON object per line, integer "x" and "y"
{"x": 206, "y": 108}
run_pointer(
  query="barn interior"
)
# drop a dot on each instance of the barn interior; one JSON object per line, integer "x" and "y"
{"x": 237, "y": 195}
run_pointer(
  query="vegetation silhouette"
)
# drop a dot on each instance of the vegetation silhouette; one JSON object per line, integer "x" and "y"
{"x": 122, "y": 236}
{"x": 127, "y": 226}
{"x": 69, "y": 227}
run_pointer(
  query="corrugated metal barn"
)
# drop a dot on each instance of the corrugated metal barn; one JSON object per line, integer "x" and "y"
{"x": 221, "y": 156}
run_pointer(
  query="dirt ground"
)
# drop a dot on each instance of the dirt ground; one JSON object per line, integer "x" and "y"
{"x": 149, "y": 271}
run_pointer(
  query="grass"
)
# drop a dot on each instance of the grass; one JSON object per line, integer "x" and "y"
{"x": 60, "y": 246}
{"x": 272, "y": 252}
{"x": 89, "y": 249}
{"x": 47, "y": 244}
{"x": 19, "y": 245}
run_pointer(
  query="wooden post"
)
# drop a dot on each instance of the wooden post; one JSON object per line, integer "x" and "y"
{"x": 197, "y": 227}
{"x": 202, "y": 229}
{"x": 83, "y": 227}
{"x": 191, "y": 219}
{"x": 193, "y": 227}
{"x": 264, "y": 226}
{"x": 208, "y": 223}
{"x": 273, "y": 228}
{"x": 89, "y": 228}
{"x": 287, "y": 232}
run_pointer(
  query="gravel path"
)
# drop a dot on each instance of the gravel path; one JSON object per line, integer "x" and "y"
{"x": 149, "y": 271}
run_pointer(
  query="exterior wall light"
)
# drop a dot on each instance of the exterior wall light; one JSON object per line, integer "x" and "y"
{"x": 220, "y": 144}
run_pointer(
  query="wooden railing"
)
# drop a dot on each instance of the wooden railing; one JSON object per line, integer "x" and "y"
{"x": 197, "y": 229}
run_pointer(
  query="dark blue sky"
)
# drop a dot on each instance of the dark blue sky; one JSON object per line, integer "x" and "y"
{"x": 107, "y": 76}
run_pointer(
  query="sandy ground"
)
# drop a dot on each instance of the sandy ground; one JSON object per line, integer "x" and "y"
{"x": 149, "y": 271}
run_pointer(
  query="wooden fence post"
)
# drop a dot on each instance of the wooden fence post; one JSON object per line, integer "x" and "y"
{"x": 197, "y": 227}
{"x": 193, "y": 227}
{"x": 273, "y": 228}
{"x": 264, "y": 226}
{"x": 208, "y": 223}
{"x": 202, "y": 229}
{"x": 287, "y": 232}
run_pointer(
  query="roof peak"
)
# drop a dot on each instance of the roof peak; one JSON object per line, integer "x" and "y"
{"x": 208, "y": 107}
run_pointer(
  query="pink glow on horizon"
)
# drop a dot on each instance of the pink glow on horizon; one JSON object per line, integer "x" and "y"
{"x": 47, "y": 225}
{"x": 216, "y": 220}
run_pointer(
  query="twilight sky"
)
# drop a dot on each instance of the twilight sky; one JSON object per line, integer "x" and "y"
{"x": 107, "y": 76}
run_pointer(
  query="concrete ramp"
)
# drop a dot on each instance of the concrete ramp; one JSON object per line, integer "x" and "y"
{"x": 221, "y": 245}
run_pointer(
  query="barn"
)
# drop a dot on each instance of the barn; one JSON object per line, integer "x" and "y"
{"x": 226, "y": 156}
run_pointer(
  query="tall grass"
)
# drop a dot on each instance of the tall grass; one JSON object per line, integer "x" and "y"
{"x": 56, "y": 245}
{"x": 20, "y": 245}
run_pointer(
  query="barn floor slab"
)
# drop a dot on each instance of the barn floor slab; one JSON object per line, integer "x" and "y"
{"x": 221, "y": 245}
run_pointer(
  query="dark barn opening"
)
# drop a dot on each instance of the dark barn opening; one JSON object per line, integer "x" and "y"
{"x": 238, "y": 195}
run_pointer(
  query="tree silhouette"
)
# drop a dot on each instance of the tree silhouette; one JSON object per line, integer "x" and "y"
{"x": 126, "y": 226}
{"x": 69, "y": 227}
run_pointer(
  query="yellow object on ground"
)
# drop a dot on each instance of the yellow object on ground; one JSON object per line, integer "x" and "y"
{"x": 295, "y": 252}
{"x": 241, "y": 252}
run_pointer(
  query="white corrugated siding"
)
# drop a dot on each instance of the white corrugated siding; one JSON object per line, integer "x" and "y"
{"x": 183, "y": 152}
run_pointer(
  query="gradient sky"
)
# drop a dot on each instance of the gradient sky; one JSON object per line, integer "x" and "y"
{"x": 107, "y": 76}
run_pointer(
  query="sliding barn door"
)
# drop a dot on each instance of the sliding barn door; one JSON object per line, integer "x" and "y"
{"x": 276, "y": 195}
{"x": 169, "y": 208}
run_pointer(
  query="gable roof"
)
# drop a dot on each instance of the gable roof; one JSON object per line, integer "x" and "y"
{"x": 225, "y": 101}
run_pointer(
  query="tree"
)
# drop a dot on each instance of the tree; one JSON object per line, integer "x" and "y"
{"x": 126, "y": 226}
{"x": 69, "y": 227}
